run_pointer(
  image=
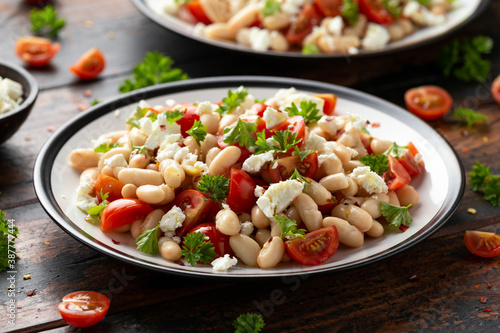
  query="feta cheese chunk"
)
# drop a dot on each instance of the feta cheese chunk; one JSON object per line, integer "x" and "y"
{"x": 259, "y": 191}
{"x": 315, "y": 142}
{"x": 376, "y": 37}
{"x": 117, "y": 160}
{"x": 324, "y": 157}
{"x": 335, "y": 25}
{"x": 260, "y": 39}
{"x": 368, "y": 180}
{"x": 83, "y": 198}
{"x": 161, "y": 129}
{"x": 254, "y": 163}
{"x": 274, "y": 117}
{"x": 278, "y": 196}
{"x": 222, "y": 264}
{"x": 206, "y": 108}
{"x": 421, "y": 15}
{"x": 172, "y": 220}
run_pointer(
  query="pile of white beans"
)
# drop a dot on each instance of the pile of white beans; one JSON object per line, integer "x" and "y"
{"x": 254, "y": 238}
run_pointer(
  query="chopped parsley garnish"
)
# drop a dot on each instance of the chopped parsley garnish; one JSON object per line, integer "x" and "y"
{"x": 271, "y": 7}
{"x": 464, "y": 59}
{"x": 377, "y": 163}
{"x": 7, "y": 230}
{"x": 140, "y": 149}
{"x": 481, "y": 178}
{"x": 197, "y": 249}
{"x": 232, "y": 100}
{"x": 396, "y": 216}
{"x": 174, "y": 116}
{"x": 95, "y": 212}
{"x": 216, "y": 187}
{"x": 249, "y": 323}
{"x": 147, "y": 241}
{"x": 310, "y": 48}
{"x": 394, "y": 7}
{"x": 302, "y": 154}
{"x": 304, "y": 180}
{"x": 46, "y": 21}
{"x": 105, "y": 147}
{"x": 240, "y": 133}
{"x": 350, "y": 11}
{"x": 139, "y": 113}
{"x": 198, "y": 131}
{"x": 396, "y": 150}
{"x": 282, "y": 141}
{"x": 469, "y": 116}
{"x": 154, "y": 69}
{"x": 289, "y": 227}
{"x": 308, "y": 110}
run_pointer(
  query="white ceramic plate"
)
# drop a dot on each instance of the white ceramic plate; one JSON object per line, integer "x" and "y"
{"x": 440, "y": 188}
{"x": 463, "y": 12}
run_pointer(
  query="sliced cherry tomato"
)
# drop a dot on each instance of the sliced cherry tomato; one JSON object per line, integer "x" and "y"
{"x": 428, "y": 102}
{"x": 217, "y": 238}
{"x": 90, "y": 64}
{"x": 295, "y": 124}
{"x": 375, "y": 11}
{"x": 482, "y": 244}
{"x": 495, "y": 89}
{"x": 410, "y": 164}
{"x": 241, "y": 197}
{"x": 123, "y": 211}
{"x": 187, "y": 120}
{"x": 315, "y": 248}
{"x": 83, "y": 308}
{"x": 330, "y": 8}
{"x": 197, "y": 11}
{"x": 287, "y": 165}
{"x": 197, "y": 208}
{"x": 111, "y": 186}
{"x": 397, "y": 176}
{"x": 303, "y": 26}
{"x": 330, "y": 102}
{"x": 36, "y": 51}
{"x": 259, "y": 108}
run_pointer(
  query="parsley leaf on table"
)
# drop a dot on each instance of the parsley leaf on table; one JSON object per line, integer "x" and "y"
{"x": 232, "y": 100}
{"x": 6, "y": 230}
{"x": 480, "y": 178}
{"x": 307, "y": 109}
{"x": 197, "y": 249}
{"x": 198, "y": 131}
{"x": 154, "y": 69}
{"x": 240, "y": 133}
{"x": 469, "y": 116}
{"x": 46, "y": 21}
{"x": 249, "y": 323}
{"x": 377, "y": 163}
{"x": 396, "y": 216}
{"x": 215, "y": 186}
{"x": 147, "y": 241}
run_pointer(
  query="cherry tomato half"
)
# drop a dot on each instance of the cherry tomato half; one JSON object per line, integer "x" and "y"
{"x": 397, "y": 176}
{"x": 90, "y": 64}
{"x": 295, "y": 124}
{"x": 197, "y": 208}
{"x": 241, "y": 197}
{"x": 217, "y": 238}
{"x": 375, "y": 11}
{"x": 330, "y": 103}
{"x": 306, "y": 20}
{"x": 330, "y": 8}
{"x": 495, "y": 89}
{"x": 123, "y": 211}
{"x": 482, "y": 244}
{"x": 108, "y": 185}
{"x": 315, "y": 248}
{"x": 83, "y": 308}
{"x": 196, "y": 9}
{"x": 428, "y": 102}
{"x": 188, "y": 119}
{"x": 259, "y": 108}
{"x": 287, "y": 165}
{"x": 36, "y": 51}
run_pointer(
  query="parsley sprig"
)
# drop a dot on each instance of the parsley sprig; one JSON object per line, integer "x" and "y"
{"x": 282, "y": 142}
{"x": 301, "y": 154}
{"x": 197, "y": 249}
{"x": 154, "y": 69}
{"x": 304, "y": 180}
{"x": 398, "y": 217}
{"x": 198, "y": 131}
{"x": 216, "y": 187}
{"x": 307, "y": 109}
{"x": 174, "y": 116}
{"x": 396, "y": 150}
{"x": 394, "y": 7}
{"x": 350, "y": 11}
{"x": 481, "y": 178}
{"x": 271, "y": 7}
{"x": 105, "y": 147}
{"x": 95, "y": 212}
{"x": 46, "y": 21}
{"x": 8, "y": 234}
{"x": 147, "y": 241}
{"x": 139, "y": 113}
{"x": 289, "y": 227}
{"x": 469, "y": 116}
{"x": 248, "y": 323}
{"x": 232, "y": 100}
{"x": 240, "y": 133}
{"x": 377, "y": 163}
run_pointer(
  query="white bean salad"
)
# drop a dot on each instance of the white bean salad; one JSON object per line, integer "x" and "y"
{"x": 241, "y": 180}
{"x": 310, "y": 26}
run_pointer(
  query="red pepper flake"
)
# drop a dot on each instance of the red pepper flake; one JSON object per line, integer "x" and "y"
{"x": 375, "y": 125}
{"x": 414, "y": 278}
{"x": 483, "y": 300}
{"x": 477, "y": 286}
{"x": 47, "y": 243}
{"x": 82, "y": 107}
{"x": 489, "y": 286}
{"x": 31, "y": 293}
{"x": 163, "y": 127}
{"x": 51, "y": 128}
{"x": 486, "y": 310}
{"x": 115, "y": 242}
{"x": 87, "y": 93}
{"x": 465, "y": 150}
{"x": 443, "y": 275}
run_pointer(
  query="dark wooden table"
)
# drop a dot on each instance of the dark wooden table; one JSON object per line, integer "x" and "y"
{"x": 454, "y": 291}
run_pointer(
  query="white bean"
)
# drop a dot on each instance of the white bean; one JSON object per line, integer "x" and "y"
{"x": 224, "y": 160}
{"x": 354, "y": 215}
{"x": 140, "y": 177}
{"x": 377, "y": 230}
{"x": 129, "y": 191}
{"x": 227, "y": 222}
{"x": 172, "y": 173}
{"x": 318, "y": 193}
{"x": 271, "y": 253}
{"x": 407, "y": 195}
{"x": 335, "y": 182}
{"x": 169, "y": 249}
{"x": 308, "y": 211}
{"x": 348, "y": 234}
{"x": 262, "y": 236}
{"x": 245, "y": 248}
{"x": 379, "y": 146}
{"x": 259, "y": 219}
{"x": 211, "y": 154}
{"x": 139, "y": 161}
{"x": 84, "y": 158}
{"x": 150, "y": 194}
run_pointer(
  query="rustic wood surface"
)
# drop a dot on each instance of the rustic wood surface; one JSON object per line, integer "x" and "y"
{"x": 453, "y": 290}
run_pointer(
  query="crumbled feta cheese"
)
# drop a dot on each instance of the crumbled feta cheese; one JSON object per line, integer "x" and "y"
{"x": 254, "y": 163}
{"x": 10, "y": 95}
{"x": 170, "y": 6}
{"x": 357, "y": 122}
{"x": 161, "y": 129}
{"x": 146, "y": 125}
{"x": 353, "y": 152}
{"x": 282, "y": 95}
{"x": 301, "y": 97}
{"x": 176, "y": 239}
{"x": 246, "y": 228}
{"x": 376, "y": 37}
{"x": 172, "y": 220}
{"x": 278, "y": 196}
{"x": 421, "y": 15}
{"x": 83, "y": 198}
{"x": 315, "y": 142}
{"x": 143, "y": 104}
{"x": 222, "y": 264}
{"x": 323, "y": 157}
{"x": 206, "y": 108}
{"x": 369, "y": 180}
{"x": 274, "y": 117}
{"x": 102, "y": 140}
{"x": 181, "y": 154}
{"x": 292, "y": 7}
{"x": 335, "y": 25}
{"x": 260, "y": 40}
{"x": 330, "y": 124}
{"x": 170, "y": 102}
{"x": 259, "y": 191}
{"x": 117, "y": 160}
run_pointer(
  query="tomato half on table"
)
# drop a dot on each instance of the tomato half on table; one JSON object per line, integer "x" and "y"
{"x": 217, "y": 238}
{"x": 123, "y": 211}
{"x": 315, "y": 248}
{"x": 482, "y": 243}
{"x": 241, "y": 197}
{"x": 111, "y": 186}
{"x": 90, "y": 64}
{"x": 375, "y": 11}
{"x": 303, "y": 26}
{"x": 83, "y": 308}
{"x": 495, "y": 89}
{"x": 397, "y": 176}
{"x": 428, "y": 102}
{"x": 36, "y": 51}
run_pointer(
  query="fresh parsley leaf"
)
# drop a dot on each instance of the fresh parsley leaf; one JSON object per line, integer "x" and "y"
{"x": 174, "y": 116}
{"x": 271, "y": 7}
{"x": 350, "y": 11}
{"x": 396, "y": 150}
{"x": 198, "y": 131}
{"x": 154, "y": 69}
{"x": 197, "y": 249}
{"x": 310, "y": 48}
{"x": 215, "y": 186}
{"x": 240, "y": 133}
{"x": 480, "y": 178}
{"x": 426, "y": 2}
{"x": 95, "y": 212}
{"x": 106, "y": 147}
{"x": 249, "y": 323}
{"x": 396, "y": 216}
{"x": 46, "y": 21}
{"x": 286, "y": 140}
{"x": 139, "y": 113}
{"x": 308, "y": 110}
{"x": 95, "y": 102}
{"x": 289, "y": 227}
{"x": 377, "y": 163}
{"x": 8, "y": 234}
{"x": 394, "y": 7}
{"x": 262, "y": 144}
{"x": 469, "y": 116}
{"x": 232, "y": 100}
{"x": 140, "y": 149}
{"x": 302, "y": 154}
{"x": 492, "y": 192}
{"x": 147, "y": 241}
{"x": 304, "y": 180}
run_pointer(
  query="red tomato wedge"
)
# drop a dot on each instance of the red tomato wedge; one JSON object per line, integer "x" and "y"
{"x": 36, "y": 51}
{"x": 295, "y": 124}
{"x": 315, "y": 248}
{"x": 83, "y": 308}
{"x": 330, "y": 8}
{"x": 188, "y": 119}
{"x": 259, "y": 108}
{"x": 306, "y": 20}
{"x": 482, "y": 243}
{"x": 196, "y": 9}
{"x": 330, "y": 103}
{"x": 375, "y": 11}
{"x": 397, "y": 176}
{"x": 287, "y": 165}
{"x": 411, "y": 165}
{"x": 123, "y": 211}
{"x": 217, "y": 238}
{"x": 108, "y": 185}
{"x": 241, "y": 197}
{"x": 90, "y": 64}
{"x": 428, "y": 102}
{"x": 495, "y": 89}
